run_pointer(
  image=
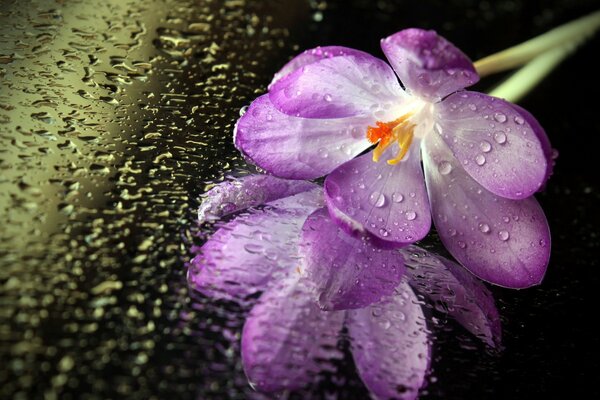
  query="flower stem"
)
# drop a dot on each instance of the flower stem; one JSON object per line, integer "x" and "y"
{"x": 568, "y": 35}
{"x": 523, "y": 80}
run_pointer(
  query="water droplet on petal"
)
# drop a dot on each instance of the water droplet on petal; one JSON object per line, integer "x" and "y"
{"x": 480, "y": 159}
{"x": 452, "y": 232}
{"x": 485, "y": 146}
{"x": 377, "y": 199}
{"x": 503, "y": 235}
{"x": 397, "y": 197}
{"x": 500, "y": 137}
{"x": 462, "y": 244}
{"x": 499, "y": 117}
{"x": 519, "y": 120}
{"x": 383, "y": 232}
{"x": 444, "y": 167}
{"x": 411, "y": 215}
{"x": 472, "y": 107}
{"x": 327, "y": 97}
{"x": 484, "y": 228}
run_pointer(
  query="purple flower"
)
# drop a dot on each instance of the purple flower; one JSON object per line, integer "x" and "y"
{"x": 482, "y": 157}
{"x": 290, "y": 254}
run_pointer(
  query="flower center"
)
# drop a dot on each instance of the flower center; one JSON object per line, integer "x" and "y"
{"x": 400, "y": 130}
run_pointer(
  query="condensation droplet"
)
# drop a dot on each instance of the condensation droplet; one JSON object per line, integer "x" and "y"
{"x": 499, "y": 117}
{"x": 485, "y": 146}
{"x": 411, "y": 215}
{"x": 519, "y": 120}
{"x": 484, "y": 228}
{"x": 444, "y": 167}
{"x": 397, "y": 197}
{"x": 500, "y": 137}
{"x": 377, "y": 199}
{"x": 480, "y": 159}
{"x": 503, "y": 235}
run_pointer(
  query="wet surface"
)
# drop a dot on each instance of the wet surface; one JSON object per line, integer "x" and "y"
{"x": 116, "y": 116}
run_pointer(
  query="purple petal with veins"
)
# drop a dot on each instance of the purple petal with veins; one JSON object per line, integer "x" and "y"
{"x": 298, "y": 148}
{"x": 388, "y": 202}
{"x": 338, "y": 87}
{"x": 428, "y": 65}
{"x": 287, "y": 340}
{"x": 455, "y": 292}
{"x": 347, "y": 273}
{"x": 247, "y": 254}
{"x": 496, "y": 144}
{"x": 503, "y": 241}
{"x": 248, "y": 191}
{"x": 313, "y": 55}
{"x": 390, "y": 345}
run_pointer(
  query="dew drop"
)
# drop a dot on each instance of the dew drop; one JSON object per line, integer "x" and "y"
{"x": 499, "y": 117}
{"x": 327, "y": 97}
{"x": 397, "y": 197}
{"x": 500, "y": 137}
{"x": 243, "y": 110}
{"x": 444, "y": 167}
{"x": 411, "y": 215}
{"x": 485, "y": 146}
{"x": 462, "y": 244}
{"x": 383, "y": 232}
{"x": 484, "y": 228}
{"x": 503, "y": 235}
{"x": 452, "y": 232}
{"x": 480, "y": 159}
{"x": 472, "y": 107}
{"x": 377, "y": 199}
{"x": 519, "y": 120}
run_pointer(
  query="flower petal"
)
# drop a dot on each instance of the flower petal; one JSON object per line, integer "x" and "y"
{"x": 390, "y": 346}
{"x": 245, "y": 255}
{"x": 287, "y": 340}
{"x": 455, "y": 292}
{"x": 388, "y": 202}
{"x": 247, "y": 191}
{"x": 310, "y": 56}
{"x": 496, "y": 144}
{"x": 428, "y": 65}
{"x": 348, "y": 273}
{"x": 542, "y": 137}
{"x": 337, "y": 87}
{"x": 298, "y": 148}
{"x": 503, "y": 241}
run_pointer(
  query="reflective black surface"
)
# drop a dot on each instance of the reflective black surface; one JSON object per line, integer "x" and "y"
{"x": 115, "y": 115}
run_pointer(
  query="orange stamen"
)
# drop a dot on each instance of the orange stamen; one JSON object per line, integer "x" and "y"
{"x": 387, "y": 132}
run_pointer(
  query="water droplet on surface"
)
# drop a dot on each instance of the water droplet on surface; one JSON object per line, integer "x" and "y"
{"x": 485, "y": 146}
{"x": 503, "y": 235}
{"x": 384, "y": 232}
{"x": 377, "y": 199}
{"x": 472, "y": 107}
{"x": 397, "y": 197}
{"x": 444, "y": 168}
{"x": 480, "y": 159}
{"x": 462, "y": 244}
{"x": 499, "y": 117}
{"x": 519, "y": 120}
{"x": 243, "y": 110}
{"x": 484, "y": 228}
{"x": 452, "y": 232}
{"x": 411, "y": 215}
{"x": 327, "y": 97}
{"x": 500, "y": 137}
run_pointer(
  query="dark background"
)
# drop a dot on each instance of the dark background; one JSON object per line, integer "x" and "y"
{"x": 140, "y": 100}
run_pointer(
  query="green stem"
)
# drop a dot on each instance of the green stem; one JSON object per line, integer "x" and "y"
{"x": 570, "y": 34}
{"x": 526, "y": 78}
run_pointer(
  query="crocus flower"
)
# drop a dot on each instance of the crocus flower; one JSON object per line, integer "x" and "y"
{"x": 288, "y": 253}
{"x": 482, "y": 157}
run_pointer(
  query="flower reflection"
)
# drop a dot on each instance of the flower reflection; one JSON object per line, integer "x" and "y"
{"x": 483, "y": 158}
{"x": 308, "y": 282}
